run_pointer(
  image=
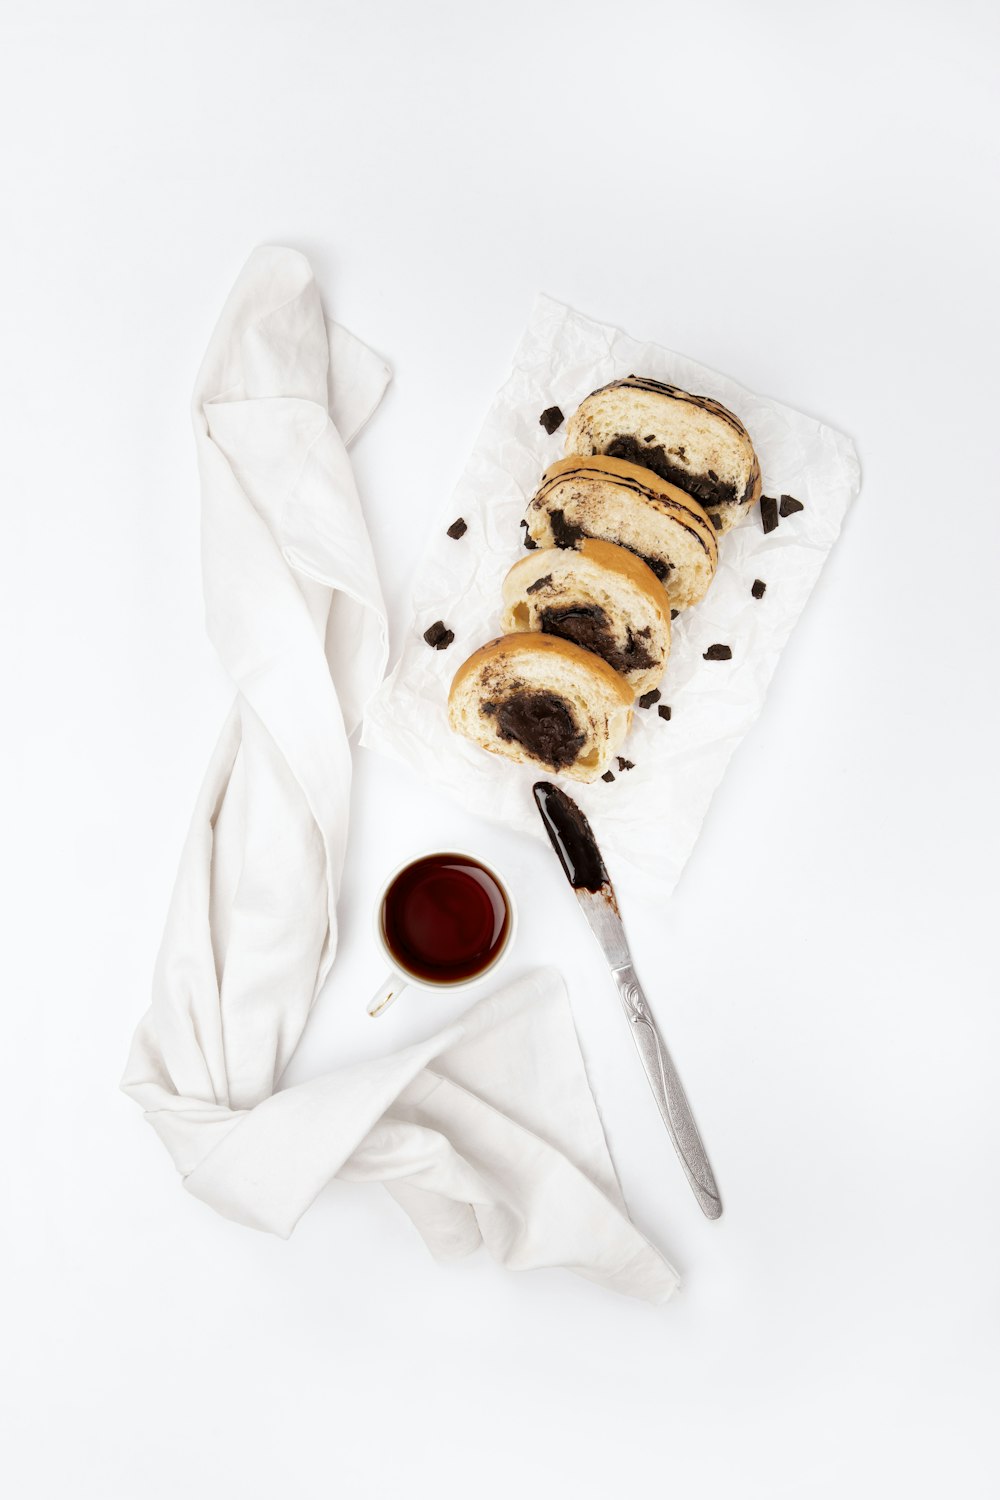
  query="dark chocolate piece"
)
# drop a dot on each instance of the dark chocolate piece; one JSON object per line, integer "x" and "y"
{"x": 758, "y": 588}
{"x": 718, "y": 653}
{"x": 716, "y": 519}
{"x": 789, "y": 505}
{"x": 457, "y": 528}
{"x": 664, "y": 710}
{"x": 564, "y": 533}
{"x": 543, "y": 723}
{"x": 768, "y": 513}
{"x": 572, "y": 836}
{"x": 539, "y": 583}
{"x": 707, "y": 489}
{"x": 625, "y": 765}
{"x": 551, "y": 418}
{"x": 439, "y": 636}
{"x": 586, "y": 625}
{"x": 674, "y": 613}
{"x": 648, "y": 699}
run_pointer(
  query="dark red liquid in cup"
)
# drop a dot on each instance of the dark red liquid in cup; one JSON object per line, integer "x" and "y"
{"x": 445, "y": 918}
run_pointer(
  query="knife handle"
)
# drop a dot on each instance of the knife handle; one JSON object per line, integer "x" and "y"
{"x": 668, "y": 1092}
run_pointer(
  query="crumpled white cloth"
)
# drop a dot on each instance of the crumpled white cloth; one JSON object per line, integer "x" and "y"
{"x": 486, "y": 1132}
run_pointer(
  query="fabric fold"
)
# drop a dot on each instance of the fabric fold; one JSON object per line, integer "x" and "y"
{"x": 458, "y": 1127}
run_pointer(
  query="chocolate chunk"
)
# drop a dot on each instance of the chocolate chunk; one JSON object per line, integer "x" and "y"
{"x": 674, "y": 613}
{"x": 551, "y": 418}
{"x": 664, "y": 710}
{"x": 564, "y": 533}
{"x": 768, "y": 512}
{"x": 539, "y": 583}
{"x": 718, "y": 653}
{"x": 544, "y": 724}
{"x": 758, "y": 588}
{"x": 708, "y": 489}
{"x": 438, "y": 635}
{"x": 457, "y": 528}
{"x": 716, "y": 519}
{"x": 587, "y": 625}
{"x": 488, "y": 708}
{"x": 789, "y": 505}
{"x": 625, "y": 765}
{"x": 608, "y": 776}
{"x": 661, "y": 569}
{"x": 648, "y": 699}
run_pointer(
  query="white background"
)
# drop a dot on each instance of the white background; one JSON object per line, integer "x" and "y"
{"x": 802, "y": 196}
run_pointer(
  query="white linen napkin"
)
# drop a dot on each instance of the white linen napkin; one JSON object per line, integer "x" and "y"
{"x": 460, "y": 1128}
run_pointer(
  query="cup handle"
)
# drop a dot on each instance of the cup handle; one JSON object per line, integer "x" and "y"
{"x": 389, "y": 990}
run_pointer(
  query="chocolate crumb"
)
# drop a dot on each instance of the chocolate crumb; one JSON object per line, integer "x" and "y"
{"x": 439, "y": 636}
{"x": 650, "y": 437}
{"x": 789, "y": 505}
{"x": 758, "y": 588}
{"x": 648, "y": 699}
{"x": 768, "y": 513}
{"x": 718, "y": 653}
{"x": 664, "y": 710}
{"x": 457, "y": 528}
{"x": 625, "y": 765}
{"x": 539, "y": 583}
{"x": 712, "y": 475}
{"x": 674, "y": 613}
{"x": 608, "y": 776}
{"x": 529, "y": 540}
{"x": 551, "y": 418}
{"x": 716, "y": 519}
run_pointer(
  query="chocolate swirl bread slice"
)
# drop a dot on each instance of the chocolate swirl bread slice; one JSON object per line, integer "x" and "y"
{"x": 542, "y": 701}
{"x": 690, "y": 441}
{"x": 619, "y": 502}
{"x": 598, "y": 596}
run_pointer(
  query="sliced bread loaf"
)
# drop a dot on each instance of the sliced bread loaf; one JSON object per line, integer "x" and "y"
{"x": 542, "y": 701}
{"x": 600, "y": 597}
{"x": 619, "y": 502}
{"x": 690, "y": 441}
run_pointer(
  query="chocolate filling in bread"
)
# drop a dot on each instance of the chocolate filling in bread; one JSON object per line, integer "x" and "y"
{"x": 568, "y": 533}
{"x": 544, "y": 725}
{"x": 708, "y": 489}
{"x": 587, "y": 626}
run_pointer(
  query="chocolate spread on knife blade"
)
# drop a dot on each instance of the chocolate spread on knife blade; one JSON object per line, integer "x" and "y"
{"x": 586, "y": 625}
{"x": 543, "y": 724}
{"x": 571, "y": 837}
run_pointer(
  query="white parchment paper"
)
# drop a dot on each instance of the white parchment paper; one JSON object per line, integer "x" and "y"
{"x": 649, "y": 816}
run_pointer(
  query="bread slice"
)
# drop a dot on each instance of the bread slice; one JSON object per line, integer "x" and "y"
{"x": 542, "y": 701}
{"x": 599, "y": 596}
{"x": 690, "y": 441}
{"x": 619, "y": 502}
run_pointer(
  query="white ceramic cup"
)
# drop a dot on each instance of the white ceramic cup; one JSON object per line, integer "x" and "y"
{"x": 399, "y": 978}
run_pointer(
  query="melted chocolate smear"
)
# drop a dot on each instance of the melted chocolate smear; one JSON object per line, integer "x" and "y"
{"x": 544, "y": 725}
{"x": 539, "y": 583}
{"x": 564, "y": 533}
{"x": 572, "y": 837}
{"x": 551, "y": 418}
{"x": 707, "y": 489}
{"x": 586, "y": 625}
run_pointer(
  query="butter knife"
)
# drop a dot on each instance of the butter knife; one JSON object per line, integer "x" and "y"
{"x": 573, "y": 840}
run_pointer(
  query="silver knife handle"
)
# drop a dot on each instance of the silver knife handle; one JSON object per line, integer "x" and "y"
{"x": 668, "y": 1092}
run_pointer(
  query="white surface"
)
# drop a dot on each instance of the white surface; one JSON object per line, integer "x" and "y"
{"x": 833, "y": 244}
{"x": 561, "y": 356}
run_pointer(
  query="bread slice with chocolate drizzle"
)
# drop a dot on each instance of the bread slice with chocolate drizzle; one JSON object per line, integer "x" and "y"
{"x": 600, "y": 597}
{"x": 542, "y": 701}
{"x": 690, "y": 441}
{"x": 615, "y": 501}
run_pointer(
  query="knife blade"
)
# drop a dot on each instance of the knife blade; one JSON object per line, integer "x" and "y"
{"x": 573, "y": 840}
